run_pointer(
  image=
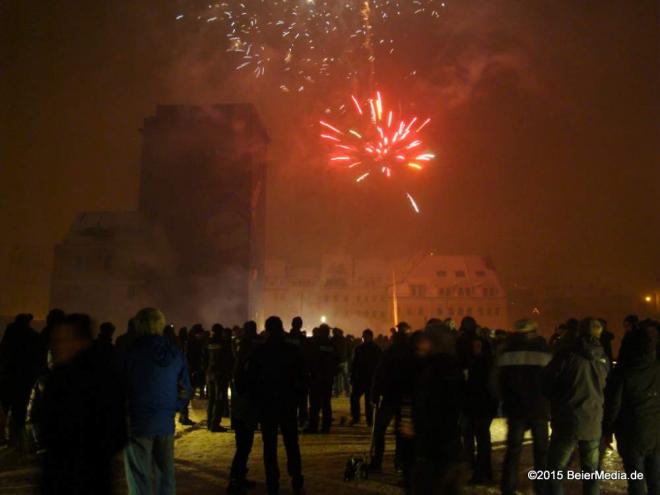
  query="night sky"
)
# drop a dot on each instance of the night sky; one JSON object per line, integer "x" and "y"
{"x": 545, "y": 125}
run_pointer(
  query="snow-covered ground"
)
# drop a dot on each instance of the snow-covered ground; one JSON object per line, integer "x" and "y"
{"x": 203, "y": 458}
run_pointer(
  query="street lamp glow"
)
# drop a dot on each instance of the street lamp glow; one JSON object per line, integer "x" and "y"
{"x": 648, "y": 299}
{"x": 323, "y": 319}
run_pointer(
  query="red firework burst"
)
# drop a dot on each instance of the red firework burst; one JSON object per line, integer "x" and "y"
{"x": 380, "y": 142}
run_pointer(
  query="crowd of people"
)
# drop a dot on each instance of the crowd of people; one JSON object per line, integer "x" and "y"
{"x": 79, "y": 401}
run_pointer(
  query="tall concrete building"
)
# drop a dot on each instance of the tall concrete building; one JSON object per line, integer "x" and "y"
{"x": 203, "y": 180}
{"x": 202, "y": 196}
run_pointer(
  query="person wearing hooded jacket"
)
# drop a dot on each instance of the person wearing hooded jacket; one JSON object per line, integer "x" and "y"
{"x": 157, "y": 385}
{"x": 632, "y": 412}
{"x": 574, "y": 381}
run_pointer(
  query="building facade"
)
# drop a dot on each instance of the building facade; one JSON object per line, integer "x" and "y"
{"x": 354, "y": 294}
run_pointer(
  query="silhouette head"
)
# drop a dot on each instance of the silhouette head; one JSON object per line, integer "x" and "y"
{"x": 367, "y": 336}
{"x": 297, "y": 323}
{"x": 72, "y": 335}
{"x": 274, "y": 327}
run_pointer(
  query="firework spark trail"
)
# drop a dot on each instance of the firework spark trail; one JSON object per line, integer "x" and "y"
{"x": 305, "y": 41}
{"x": 379, "y": 147}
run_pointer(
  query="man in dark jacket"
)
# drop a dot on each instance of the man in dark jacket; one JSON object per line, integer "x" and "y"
{"x": 340, "y": 344}
{"x": 518, "y": 379}
{"x": 574, "y": 381}
{"x": 275, "y": 378}
{"x": 632, "y": 412}
{"x": 82, "y": 419}
{"x": 323, "y": 363}
{"x": 438, "y": 403}
{"x": 393, "y": 381}
{"x": 297, "y": 338}
{"x": 243, "y": 412}
{"x": 219, "y": 365}
{"x": 365, "y": 361}
{"x": 157, "y": 385}
{"x": 480, "y": 409}
{"x": 20, "y": 365}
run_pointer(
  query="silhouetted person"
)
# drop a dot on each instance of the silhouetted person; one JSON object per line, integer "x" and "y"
{"x": 363, "y": 367}
{"x": 105, "y": 336}
{"x": 275, "y": 377}
{"x": 339, "y": 342}
{"x": 83, "y": 424}
{"x": 297, "y": 338}
{"x": 195, "y": 358}
{"x": 480, "y": 409}
{"x": 244, "y": 412}
{"x": 632, "y": 412}
{"x": 631, "y": 329}
{"x": 466, "y": 334}
{"x": 438, "y": 402}
{"x": 574, "y": 381}
{"x": 219, "y": 357}
{"x": 184, "y": 410}
{"x": 20, "y": 365}
{"x": 323, "y": 367}
{"x": 392, "y": 382}
{"x": 519, "y": 376}
{"x": 54, "y": 318}
{"x": 157, "y": 381}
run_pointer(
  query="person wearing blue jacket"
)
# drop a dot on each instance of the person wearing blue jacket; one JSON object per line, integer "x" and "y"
{"x": 157, "y": 386}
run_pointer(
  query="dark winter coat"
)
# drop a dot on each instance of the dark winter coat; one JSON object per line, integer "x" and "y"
{"x": 574, "y": 381}
{"x": 519, "y": 374}
{"x": 365, "y": 361}
{"x": 275, "y": 377}
{"x": 322, "y": 362}
{"x": 82, "y": 425}
{"x": 479, "y": 398}
{"x": 632, "y": 403}
{"x": 157, "y": 385}
{"x": 219, "y": 360}
{"x": 438, "y": 403}
{"x": 394, "y": 375}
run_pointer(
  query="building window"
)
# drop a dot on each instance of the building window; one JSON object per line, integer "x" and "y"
{"x": 418, "y": 290}
{"x": 441, "y": 292}
{"x": 460, "y": 291}
{"x": 441, "y": 273}
{"x": 480, "y": 273}
{"x": 460, "y": 273}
